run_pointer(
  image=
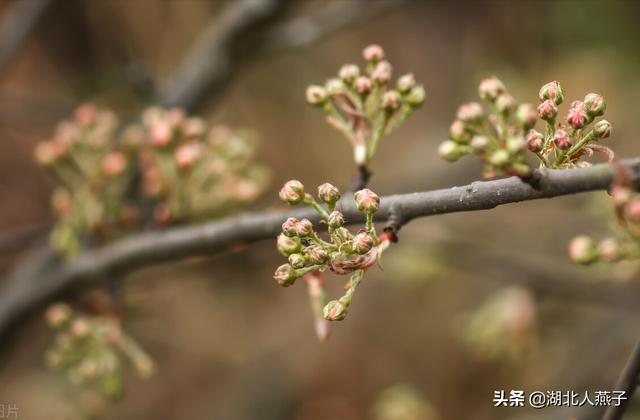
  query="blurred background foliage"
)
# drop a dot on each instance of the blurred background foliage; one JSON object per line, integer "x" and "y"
{"x": 227, "y": 342}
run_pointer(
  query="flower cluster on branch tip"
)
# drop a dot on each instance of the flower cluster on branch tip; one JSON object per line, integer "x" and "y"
{"x": 341, "y": 251}
{"x": 91, "y": 350}
{"x": 189, "y": 172}
{"x": 625, "y": 245}
{"x": 501, "y": 133}
{"x": 364, "y": 104}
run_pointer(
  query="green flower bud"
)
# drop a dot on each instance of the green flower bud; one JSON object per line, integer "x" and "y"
{"x": 289, "y": 227}
{"x": 335, "y": 311}
{"x": 470, "y": 113}
{"x": 334, "y": 86}
{"x": 390, "y": 101}
{"x": 316, "y": 95}
{"x": 328, "y": 193}
{"x": 416, "y": 96}
{"x": 317, "y": 254}
{"x": 288, "y": 245}
{"x": 479, "y": 144}
{"x": 362, "y": 242}
{"x": 285, "y": 275}
{"x": 451, "y": 151}
{"x": 406, "y": 82}
{"x": 602, "y": 129}
{"x": 297, "y": 260}
{"x": 336, "y": 220}
{"x": 582, "y": 250}
{"x": 515, "y": 144}
{"x": 349, "y": 73}
{"x": 304, "y": 228}
{"x": 505, "y": 103}
{"x": 526, "y": 116}
{"x": 499, "y": 158}
{"x": 595, "y": 105}
{"x": 58, "y": 315}
{"x": 609, "y": 250}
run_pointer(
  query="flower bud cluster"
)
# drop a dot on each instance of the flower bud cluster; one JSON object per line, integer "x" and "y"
{"x": 91, "y": 350}
{"x": 365, "y": 104}
{"x": 494, "y": 132}
{"x": 192, "y": 171}
{"x": 501, "y": 136}
{"x": 340, "y": 251}
{"x": 504, "y": 327}
{"x": 585, "y": 250}
{"x": 189, "y": 171}
{"x": 93, "y": 172}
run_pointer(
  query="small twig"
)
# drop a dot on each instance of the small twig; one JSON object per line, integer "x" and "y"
{"x": 628, "y": 382}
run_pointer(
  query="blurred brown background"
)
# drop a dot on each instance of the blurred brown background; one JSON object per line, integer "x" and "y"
{"x": 229, "y": 344}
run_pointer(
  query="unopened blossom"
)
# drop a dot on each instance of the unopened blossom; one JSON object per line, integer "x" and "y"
{"x": 602, "y": 129}
{"x": 490, "y": 88}
{"x": 595, "y": 104}
{"x": 336, "y": 219}
{"x": 382, "y": 72}
{"x": 348, "y": 73}
{"x": 292, "y": 192}
{"x": 288, "y": 245}
{"x": 335, "y": 311}
{"x": 328, "y": 193}
{"x": 577, "y": 116}
{"x": 373, "y": 53}
{"x": 547, "y": 110}
{"x": 289, "y": 226}
{"x": 526, "y": 116}
{"x": 363, "y": 242}
{"x": 609, "y": 250}
{"x": 552, "y": 91}
{"x": 367, "y": 201}
{"x": 406, "y": 82}
{"x": 114, "y": 163}
{"x": 562, "y": 139}
{"x": 316, "y": 95}
{"x": 470, "y": 113}
{"x": 364, "y": 86}
{"x": 632, "y": 211}
{"x": 391, "y": 100}
{"x": 187, "y": 155}
{"x": 285, "y": 275}
{"x": 304, "y": 228}
{"x": 535, "y": 141}
{"x": 582, "y": 250}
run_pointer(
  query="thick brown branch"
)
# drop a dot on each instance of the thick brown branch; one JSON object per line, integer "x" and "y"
{"x": 22, "y": 292}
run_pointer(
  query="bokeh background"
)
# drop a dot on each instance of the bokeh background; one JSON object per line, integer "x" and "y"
{"x": 228, "y": 343}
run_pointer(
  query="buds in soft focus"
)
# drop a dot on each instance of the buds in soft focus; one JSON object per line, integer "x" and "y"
{"x": 470, "y": 113}
{"x": 373, "y": 53}
{"x": 552, "y": 91}
{"x": 367, "y": 201}
{"x": 79, "y": 327}
{"x": 562, "y": 139}
{"x": 328, "y": 193}
{"x": 416, "y": 96}
{"x": 609, "y": 250}
{"x": 535, "y": 141}
{"x": 577, "y": 116}
{"x": 285, "y": 275}
{"x": 406, "y": 82}
{"x": 391, "y": 101}
{"x": 292, "y": 192}
{"x": 490, "y": 88}
{"x": 478, "y": 144}
{"x": 335, "y": 311}
{"x": 499, "y": 158}
{"x": 632, "y": 211}
{"x": 316, "y": 95}
{"x": 582, "y": 250}
{"x": 58, "y": 314}
{"x": 505, "y": 103}
{"x": 348, "y": 73}
{"x": 336, "y": 219}
{"x": 458, "y": 132}
{"x": 187, "y": 155}
{"x": 526, "y": 116}
{"x": 288, "y": 245}
{"x": 620, "y": 195}
{"x": 334, "y": 86}
{"x": 594, "y": 104}
{"x": 382, "y": 72}
{"x": 364, "y": 86}
{"x": 547, "y": 110}
{"x": 602, "y": 129}
{"x": 450, "y": 150}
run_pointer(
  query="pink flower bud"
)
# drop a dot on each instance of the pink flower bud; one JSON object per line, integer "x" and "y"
{"x": 79, "y": 328}
{"x": 114, "y": 163}
{"x": 317, "y": 254}
{"x": 552, "y": 91}
{"x": 45, "y": 153}
{"x": 161, "y": 133}
{"x": 85, "y": 114}
{"x": 450, "y": 151}
{"x": 58, "y": 314}
{"x": 373, "y": 53}
{"x": 458, "y": 132}
{"x": 288, "y": 245}
{"x": 632, "y": 211}
{"x": 577, "y": 116}
{"x": 187, "y": 155}
{"x": 335, "y": 311}
{"x": 594, "y": 104}
{"x": 362, "y": 243}
{"x": 336, "y": 219}
{"x": 526, "y": 116}
{"x": 289, "y": 226}
{"x": 535, "y": 141}
{"x": 499, "y": 158}
{"x": 602, "y": 129}
{"x": 285, "y": 275}
{"x": 609, "y": 250}
{"x": 382, "y": 72}
{"x": 348, "y": 73}
{"x": 582, "y": 250}
{"x": 547, "y": 110}
{"x": 391, "y": 101}
{"x": 562, "y": 139}
{"x": 406, "y": 82}
{"x": 367, "y": 201}
{"x": 304, "y": 228}
{"x": 490, "y": 88}
{"x": 292, "y": 192}
{"x": 470, "y": 113}
{"x": 328, "y": 193}
{"x": 297, "y": 260}
{"x": 620, "y": 195}
{"x": 364, "y": 86}
{"x": 316, "y": 95}
{"x": 505, "y": 103}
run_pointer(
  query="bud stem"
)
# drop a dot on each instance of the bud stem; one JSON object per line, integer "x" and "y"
{"x": 308, "y": 199}
{"x": 577, "y": 147}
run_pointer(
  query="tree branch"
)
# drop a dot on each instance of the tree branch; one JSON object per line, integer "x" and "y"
{"x": 628, "y": 382}
{"x": 26, "y": 290}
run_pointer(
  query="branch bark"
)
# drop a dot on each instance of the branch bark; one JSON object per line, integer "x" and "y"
{"x": 26, "y": 290}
